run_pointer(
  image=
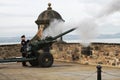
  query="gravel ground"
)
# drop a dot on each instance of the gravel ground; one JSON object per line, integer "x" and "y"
{"x": 59, "y": 71}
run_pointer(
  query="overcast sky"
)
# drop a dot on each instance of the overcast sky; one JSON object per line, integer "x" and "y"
{"x": 18, "y": 17}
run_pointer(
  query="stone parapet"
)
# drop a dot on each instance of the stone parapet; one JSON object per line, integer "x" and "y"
{"x": 12, "y": 50}
{"x": 102, "y": 53}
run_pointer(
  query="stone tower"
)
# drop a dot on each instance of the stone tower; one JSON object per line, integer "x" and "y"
{"x": 45, "y": 18}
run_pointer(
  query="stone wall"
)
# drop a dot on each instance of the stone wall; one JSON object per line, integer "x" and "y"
{"x": 102, "y": 53}
{"x": 10, "y": 51}
{"x": 105, "y": 54}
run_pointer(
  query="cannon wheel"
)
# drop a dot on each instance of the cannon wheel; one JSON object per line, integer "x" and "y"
{"x": 34, "y": 63}
{"x": 45, "y": 60}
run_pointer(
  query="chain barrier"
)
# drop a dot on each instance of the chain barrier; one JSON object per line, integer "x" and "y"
{"x": 111, "y": 74}
{"x": 89, "y": 76}
{"x": 102, "y": 72}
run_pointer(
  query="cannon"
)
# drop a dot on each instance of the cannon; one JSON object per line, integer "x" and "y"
{"x": 38, "y": 51}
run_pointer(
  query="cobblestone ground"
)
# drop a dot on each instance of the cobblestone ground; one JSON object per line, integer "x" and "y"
{"x": 59, "y": 71}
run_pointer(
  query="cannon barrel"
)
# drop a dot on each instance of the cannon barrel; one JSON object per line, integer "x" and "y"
{"x": 64, "y": 33}
{"x": 48, "y": 41}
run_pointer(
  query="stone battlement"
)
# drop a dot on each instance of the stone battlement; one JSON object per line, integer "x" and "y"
{"x": 102, "y": 53}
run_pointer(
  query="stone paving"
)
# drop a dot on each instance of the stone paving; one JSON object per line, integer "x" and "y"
{"x": 59, "y": 71}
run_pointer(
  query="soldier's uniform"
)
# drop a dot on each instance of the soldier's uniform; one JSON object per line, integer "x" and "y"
{"x": 23, "y": 51}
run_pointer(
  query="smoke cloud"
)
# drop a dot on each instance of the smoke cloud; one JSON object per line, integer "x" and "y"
{"x": 110, "y": 8}
{"x": 55, "y": 28}
{"x": 87, "y": 31}
{"x": 87, "y": 28}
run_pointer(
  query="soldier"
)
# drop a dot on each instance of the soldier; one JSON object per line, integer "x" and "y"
{"x": 23, "y": 48}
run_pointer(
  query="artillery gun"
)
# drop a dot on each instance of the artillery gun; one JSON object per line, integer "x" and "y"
{"x": 38, "y": 52}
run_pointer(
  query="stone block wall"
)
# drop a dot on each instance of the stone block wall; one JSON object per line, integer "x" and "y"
{"x": 102, "y": 53}
{"x": 9, "y": 51}
{"x": 66, "y": 51}
{"x": 107, "y": 54}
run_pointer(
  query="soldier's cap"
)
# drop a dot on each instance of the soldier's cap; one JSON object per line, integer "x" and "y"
{"x": 23, "y": 36}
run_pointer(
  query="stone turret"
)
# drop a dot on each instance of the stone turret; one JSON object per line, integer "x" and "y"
{"x": 45, "y": 18}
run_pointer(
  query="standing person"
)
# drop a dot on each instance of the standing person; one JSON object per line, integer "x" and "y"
{"x": 23, "y": 48}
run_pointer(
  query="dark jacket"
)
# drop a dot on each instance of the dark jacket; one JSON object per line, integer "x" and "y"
{"x": 24, "y": 46}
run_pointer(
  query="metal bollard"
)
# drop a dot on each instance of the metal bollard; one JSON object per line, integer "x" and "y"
{"x": 99, "y": 72}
